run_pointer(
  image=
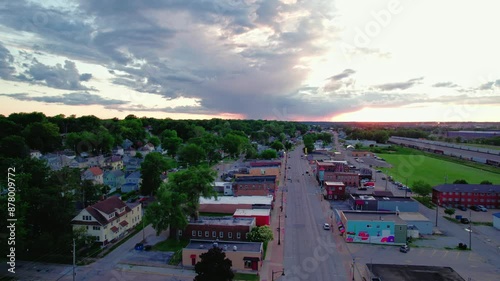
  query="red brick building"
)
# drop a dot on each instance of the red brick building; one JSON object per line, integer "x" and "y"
{"x": 254, "y": 185}
{"x": 467, "y": 195}
{"x": 334, "y": 190}
{"x": 222, "y": 228}
{"x": 262, "y": 216}
{"x": 336, "y": 171}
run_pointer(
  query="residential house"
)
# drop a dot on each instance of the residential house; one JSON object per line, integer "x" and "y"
{"x": 96, "y": 161}
{"x": 334, "y": 190}
{"x": 144, "y": 150}
{"x": 132, "y": 165}
{"x": 114, "y": 162}
{"x": 254, "y": 185}
{"x": 467, "y": 195}
{"x": 114, "y": 179}
{"x": 222, "y": 228}
{"x": 79, "y": 163}
{"x": 118, "y": 150}
{"x": 130, "y": 151}
{"x": 127, "y": 144}
{"x": 132, "y": 182}
{"x": 372, "y": 227}
{"x": 109, "y": 219}
{"x": 56, "y": 161}
{"x": 94, "y": 174}
{"x": 245, "y": 256}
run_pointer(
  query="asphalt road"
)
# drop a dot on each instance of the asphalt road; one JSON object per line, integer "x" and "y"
{"x": 311, "y": 253}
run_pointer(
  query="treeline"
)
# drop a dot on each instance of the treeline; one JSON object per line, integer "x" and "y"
{"x": 381, "y": 135}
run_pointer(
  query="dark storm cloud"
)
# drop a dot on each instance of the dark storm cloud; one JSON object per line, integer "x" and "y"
{"x": 445, "y": 85}
{"x": 78, "y": 98}
{"x": 6, "y": 62}
{"x": 399, "y": 85}
{"x": 59, "y": 76}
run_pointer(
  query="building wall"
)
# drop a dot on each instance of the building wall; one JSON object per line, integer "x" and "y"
{"x": 424, "y": 227}
{"x": 349, "y": 179}
{"x": 221, "y": 232}
{"x": 378, "y": 232}
{"x": 260, "y": 220}
{"x": 400, "y": 233}
{"x": 335, "y": 192}
{"x": 496, "y": 222}
{"x": 363, "y": 205}
{"x": 489, "y": 200}
{"x": 402, "y": 206}
{"x": 253, "y": 189}
{"x": 235, "y": 256}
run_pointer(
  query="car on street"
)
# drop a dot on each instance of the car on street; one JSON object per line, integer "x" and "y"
{"x": 404, "y": 249}
{"x": 326, "y": 226}
{"x": 384, "y": 178}
{"x": 482, "y": 208}
{"x": 379, "y": 171}
{"x": 464, "y": 220}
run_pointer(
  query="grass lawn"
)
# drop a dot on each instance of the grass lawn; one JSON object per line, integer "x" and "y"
{"x": 170, "y": 245}
{"x": 433, "y": 171}
{"x": 245, "y": 276}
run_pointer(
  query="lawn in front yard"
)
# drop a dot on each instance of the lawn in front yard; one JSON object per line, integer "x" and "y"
{"x": 245, "y": 276}
{"x": 432, "y": 170}
{"x": 171, "y": 245}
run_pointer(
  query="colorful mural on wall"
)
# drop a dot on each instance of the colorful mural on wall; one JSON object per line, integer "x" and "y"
{"x": 370, "y": 232}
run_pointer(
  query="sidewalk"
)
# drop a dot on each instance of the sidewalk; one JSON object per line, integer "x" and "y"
{"x": 275, "y": 252}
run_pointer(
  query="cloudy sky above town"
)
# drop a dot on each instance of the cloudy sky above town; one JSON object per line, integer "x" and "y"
{"x": 308, "y": 60}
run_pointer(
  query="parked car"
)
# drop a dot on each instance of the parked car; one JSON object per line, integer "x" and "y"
{"x": 465, "y": 221}
{"x": 482, "y": 208}
{"x": 474, "y": 208}
{"x": 383, "y": 178}
{"x": 404, "y": 249}
{"x": 462, "y": 207}
{"x": 326, "y": 226}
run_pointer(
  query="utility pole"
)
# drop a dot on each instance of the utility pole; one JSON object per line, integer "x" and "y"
{"x": 74, "y": 260}
{"x": 437, "y": 207}
{"x": 470, "y": 229}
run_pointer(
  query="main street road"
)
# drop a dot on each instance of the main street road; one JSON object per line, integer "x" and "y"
{"x": 311, "y": 253}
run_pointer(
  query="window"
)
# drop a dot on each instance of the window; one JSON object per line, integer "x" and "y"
{"x": 199, "y": 233}
{"x": 180, "y": 232}
{"x": 400, "y": 228}
{"x": 368, "y": 226}
{"x": 238, "y": 235}
{"x": 248, "y": 264}
{"x": 87, "y": 218}
{"x": 214, "y": 234}
{"x": 96, "y": 228}
{"x": 97, "y": 238}
{"x": 444, "y": 193}
{"x": 207, "y": 233}
{"x": 221, "y": 234}
{"x": 388, "y": 226}
{"x": 378, "y": 226}
{"x": 229, "y": 235}
{"x": 193, "y": 233}
{"x": 340, "y": 188}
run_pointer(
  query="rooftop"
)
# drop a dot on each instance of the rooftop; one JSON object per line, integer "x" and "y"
{"x": 252, "y": 212}
{"x": 398, "y": 272}
{"x": 240, "y": 246}
{"x": 336, "y": 183}
{"x": 372, "y": 216}
{"x": 224, "y": 221}
{"x": 480, "y": 188}
{"x": 263, "y": 200}
{"x": 412, "y": 216}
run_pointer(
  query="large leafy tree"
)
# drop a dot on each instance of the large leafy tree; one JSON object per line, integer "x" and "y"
{"x": 154, "y": 165}
{"x": 43, "y": 136}
{"x": 232, "y": 143}
{"x": 195, "y": 182}
{"x": 170, "y": 141}
{"x": 269, "y": 154}
{"x": 168, "y": 211}
{"x": 214, "y": 266}
{"x": 14, "y": 146}
{"x": 192, "y": 154}
{"x": 421, "y": 188}
{"x": 261, "y": 234}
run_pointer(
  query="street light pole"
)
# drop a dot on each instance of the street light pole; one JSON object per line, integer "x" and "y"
{"x": 353, "y": 262}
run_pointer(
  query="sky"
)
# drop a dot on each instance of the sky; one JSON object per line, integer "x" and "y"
{"x": 290, "y": 60}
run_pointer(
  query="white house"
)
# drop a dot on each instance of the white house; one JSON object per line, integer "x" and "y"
{"x": 109, "y": 219}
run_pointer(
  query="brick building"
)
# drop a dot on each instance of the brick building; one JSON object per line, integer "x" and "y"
{"x": 467, "y": 195}
{"x": 336, "y": 171}
{"x": 334, "y": 190}
{"x": 254, "y": 185}
{"x": 223, "y": 228}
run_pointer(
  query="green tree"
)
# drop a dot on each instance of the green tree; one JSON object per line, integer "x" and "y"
{"x": 42, "y": 136}
{"x": 154, "y": 141}
{"x": 268, "y": 154}
{"x": 195, "y": 182}
{"x": 232, "y": 144}
{"x": 214, "y": 266}
{"x": 14, "y": 147}
{"x": 170, "y": 141}
{"x": 261, "y": 234}
{"x": 168, "y": 211}
{"x": 277, "y": 145}
{"x": 460, "y": 181}
{"x": 486, "y": 182}
{"x": 192, "y": 154}
{"x": 421, "y": 188}
{"x": 449, "y": 211}
{"x": 153, "y": 166}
